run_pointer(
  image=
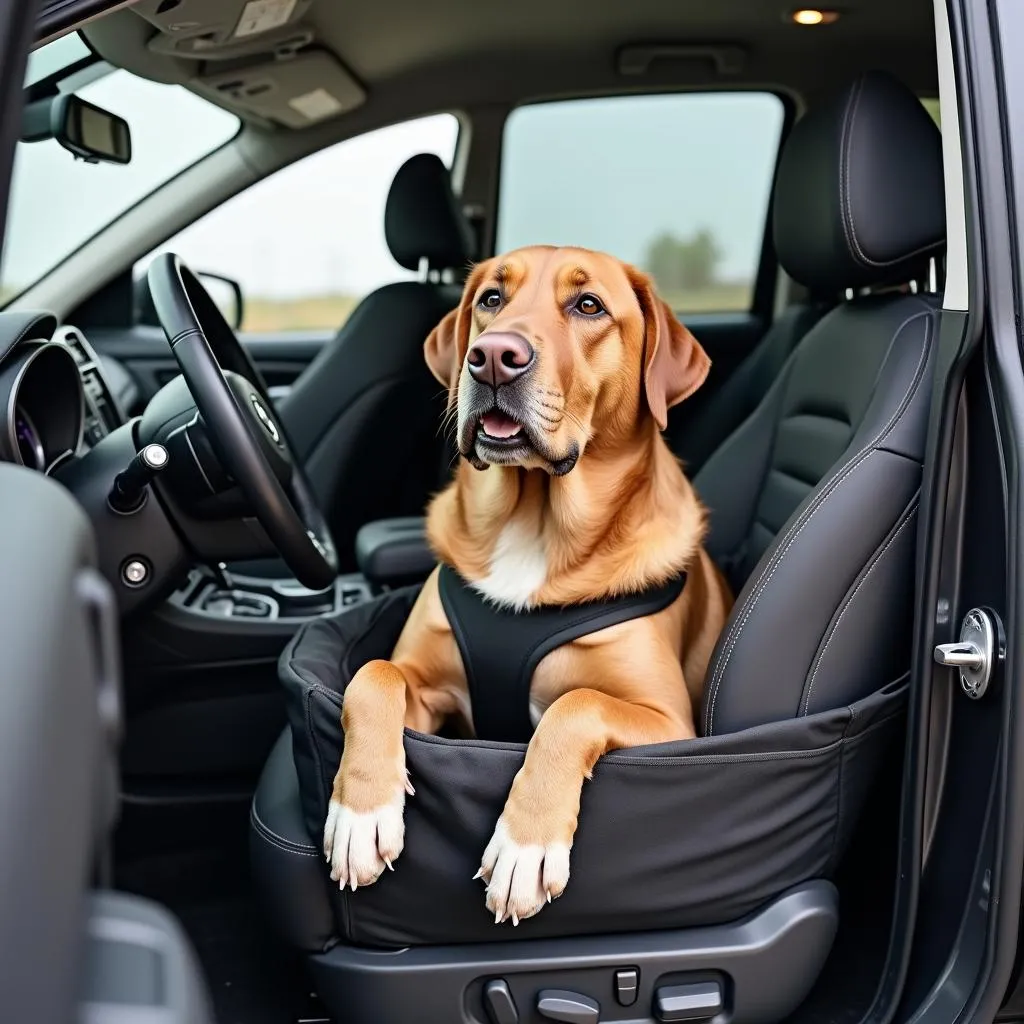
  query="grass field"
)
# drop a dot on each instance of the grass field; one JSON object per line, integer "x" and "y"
{"x": 316, "y": 312}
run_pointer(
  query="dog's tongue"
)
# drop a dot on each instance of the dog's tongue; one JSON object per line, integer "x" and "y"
{"x": 497, "y": 424}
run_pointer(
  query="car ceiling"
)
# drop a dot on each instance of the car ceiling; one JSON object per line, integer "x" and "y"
{"x": 392, "y": 59}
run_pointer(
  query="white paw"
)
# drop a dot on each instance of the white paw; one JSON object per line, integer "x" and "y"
{"x": 521, "y": 879}
{"x": 359, "y": 846}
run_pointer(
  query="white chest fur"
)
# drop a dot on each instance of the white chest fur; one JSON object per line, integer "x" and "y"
{"x": 518, "y": 567}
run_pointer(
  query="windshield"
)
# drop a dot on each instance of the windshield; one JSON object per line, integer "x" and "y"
{"x": 57, "y": 202}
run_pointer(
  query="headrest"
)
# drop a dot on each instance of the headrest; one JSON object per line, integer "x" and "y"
{"x": 423, "y": 218}
{"x": 859, "y": 197}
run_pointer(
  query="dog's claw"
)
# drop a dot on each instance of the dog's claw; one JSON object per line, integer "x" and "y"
{"x": 391, "y": 866}
{"x": 549, "y": 895}
{"x": 497, "y": 917}
{"x": 515, "y": 920}
{"x": 479, "y": 874}
{"x": 409, "y": 788}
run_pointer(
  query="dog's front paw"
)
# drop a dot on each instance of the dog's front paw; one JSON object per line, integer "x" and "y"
{"x": 359, "y": 845}
{"x": 522, "y": 877}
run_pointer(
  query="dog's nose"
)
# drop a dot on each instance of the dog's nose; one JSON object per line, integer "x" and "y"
{"x": 498, "y": 358}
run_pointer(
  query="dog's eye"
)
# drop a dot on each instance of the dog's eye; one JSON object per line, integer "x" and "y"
{"x": 491, "y": 299}
{"x": 589, "y": 306}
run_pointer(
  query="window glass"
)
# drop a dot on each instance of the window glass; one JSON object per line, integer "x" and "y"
{"x": 54, "y": 57}
{"x": 307, "y": 243}
{"x": 676, "y": 184}
{"x": 931, "y": 104}
{"x": 58, "y": 202}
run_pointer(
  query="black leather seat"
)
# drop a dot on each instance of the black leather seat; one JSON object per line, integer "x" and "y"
{"x": 363, "y": 417}
{"x": 694, "y": 435}
{"x": 813, "y": 514}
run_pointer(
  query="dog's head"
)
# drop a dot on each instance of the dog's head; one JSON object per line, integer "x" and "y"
{"x": 552, "y": 350}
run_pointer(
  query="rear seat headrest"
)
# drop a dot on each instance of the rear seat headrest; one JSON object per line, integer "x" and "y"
{"x": 859, "y": 196}
{"x": 423, "y": 218}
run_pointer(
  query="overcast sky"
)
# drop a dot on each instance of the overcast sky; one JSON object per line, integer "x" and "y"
{"x": 607, "y": 174}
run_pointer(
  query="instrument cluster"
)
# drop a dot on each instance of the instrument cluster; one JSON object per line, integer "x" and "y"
{"x": 55, "y": 402}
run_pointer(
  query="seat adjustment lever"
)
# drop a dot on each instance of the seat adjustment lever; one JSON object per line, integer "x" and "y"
{"x": 569, "y": 1007}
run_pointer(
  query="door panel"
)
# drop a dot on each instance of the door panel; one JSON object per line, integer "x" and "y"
{"x": 59, "y": 690}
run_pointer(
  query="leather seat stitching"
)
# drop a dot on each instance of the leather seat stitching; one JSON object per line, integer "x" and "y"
{"x": 875, "y": 562}
{"x": 808, "y": 514}
{"x": 281, "y": 842}
{"x": 845, "y": 214}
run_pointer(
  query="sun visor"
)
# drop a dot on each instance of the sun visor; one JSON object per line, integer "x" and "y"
{"x": 299, "y": 92}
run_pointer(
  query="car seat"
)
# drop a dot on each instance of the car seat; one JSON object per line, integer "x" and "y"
{"x": 363, "y": 461}
{"x": 701, "y": 869}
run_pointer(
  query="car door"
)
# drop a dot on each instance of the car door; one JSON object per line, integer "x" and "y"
{"x": 957, "y": 901}
{"x": 58, "y": 691}
{"x": 59, "y": 723}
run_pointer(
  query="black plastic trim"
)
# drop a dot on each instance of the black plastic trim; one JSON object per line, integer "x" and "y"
{"x": 770, "y": 960}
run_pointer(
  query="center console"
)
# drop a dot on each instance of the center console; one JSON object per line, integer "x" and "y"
{"x": 218, "y": 594}
{"x": 390, "y": 552}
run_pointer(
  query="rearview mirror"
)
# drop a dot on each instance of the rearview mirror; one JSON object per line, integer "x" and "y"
{"x": 90, "y": 132}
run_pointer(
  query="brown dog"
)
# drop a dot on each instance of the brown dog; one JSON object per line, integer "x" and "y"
{"x": 561, "y": 364}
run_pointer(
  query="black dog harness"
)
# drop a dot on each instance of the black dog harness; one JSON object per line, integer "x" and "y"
{"x": 501, "y": 647}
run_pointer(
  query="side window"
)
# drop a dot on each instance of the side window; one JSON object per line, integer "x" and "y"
{"x": 307, "y": 243}
{"x": 675, "y": 184}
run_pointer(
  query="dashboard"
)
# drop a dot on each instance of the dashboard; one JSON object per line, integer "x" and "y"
{"x": 54, "y": 400}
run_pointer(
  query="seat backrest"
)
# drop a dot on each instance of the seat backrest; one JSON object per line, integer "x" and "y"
{"x": 813, "y": 499}
{"x": 706, "y": 428}
{"x": 363, "y": 417}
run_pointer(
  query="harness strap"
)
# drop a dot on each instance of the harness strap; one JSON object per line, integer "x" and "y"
{"x": 501, "y": 648}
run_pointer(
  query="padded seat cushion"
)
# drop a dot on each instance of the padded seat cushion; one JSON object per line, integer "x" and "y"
{"x": 710, "y": 829}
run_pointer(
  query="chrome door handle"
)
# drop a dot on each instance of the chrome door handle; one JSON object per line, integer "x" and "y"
{"x": 975, "y": 654}
{"x": 960, "y": 656}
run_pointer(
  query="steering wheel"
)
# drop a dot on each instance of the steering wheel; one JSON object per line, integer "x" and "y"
{"x": 234, "y": 403}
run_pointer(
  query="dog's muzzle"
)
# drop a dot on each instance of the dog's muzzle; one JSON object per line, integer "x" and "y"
{"x": 496, "y": 407}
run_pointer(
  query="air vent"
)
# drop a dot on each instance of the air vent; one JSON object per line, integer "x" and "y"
{"x": 80, "y": 349}
{"x": 101, "y": 412}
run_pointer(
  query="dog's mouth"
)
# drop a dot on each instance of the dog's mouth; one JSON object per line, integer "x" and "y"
{"x": 499, "y": 426}
{"x": 497, "y": 438}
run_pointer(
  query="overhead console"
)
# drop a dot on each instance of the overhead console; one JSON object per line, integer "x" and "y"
{"x": 295, "y": 92}
{"x": 225, "y": 29}
{"x": 258, "y": 57}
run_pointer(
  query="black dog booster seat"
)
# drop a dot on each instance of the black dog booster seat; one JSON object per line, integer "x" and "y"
{"x": 678, "y": 835}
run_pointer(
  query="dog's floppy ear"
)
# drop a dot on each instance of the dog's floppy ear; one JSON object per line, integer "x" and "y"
{"x": 440, "y": 347}
{"x": 675, "y": 364}
{"x": 447, "y": 343}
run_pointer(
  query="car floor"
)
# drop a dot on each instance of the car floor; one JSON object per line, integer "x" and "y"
{"x": 195, "y": 860}
{"x": 253, "y": 978}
